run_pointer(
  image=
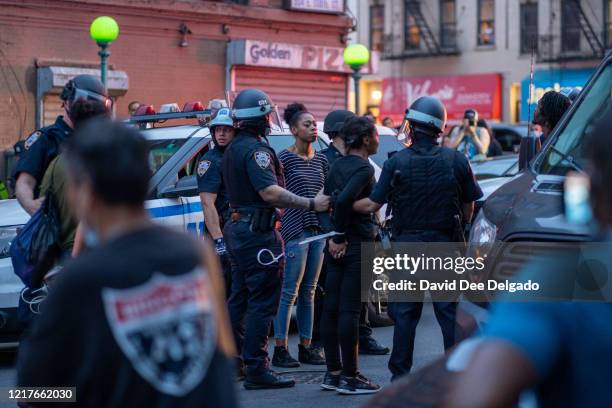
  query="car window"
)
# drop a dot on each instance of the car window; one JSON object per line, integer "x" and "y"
{"x": 508, "y": 139}
{"x": 160, "y": 151}
{"x": 567, "y": 150}
{"x": 388, "y": 144}
{"x": 492, "y": 168}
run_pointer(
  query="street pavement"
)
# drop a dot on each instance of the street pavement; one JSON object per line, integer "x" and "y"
{"x": 307, "y": 393}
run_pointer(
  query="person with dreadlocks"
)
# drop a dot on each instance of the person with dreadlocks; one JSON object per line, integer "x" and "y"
{"x": 551, "y": 108}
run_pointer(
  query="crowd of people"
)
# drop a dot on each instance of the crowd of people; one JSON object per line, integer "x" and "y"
{"x": 149, "y": 316}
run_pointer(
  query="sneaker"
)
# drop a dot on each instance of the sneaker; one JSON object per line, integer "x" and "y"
{"x": 372, "y": 347}
{"x": 331, "y": 382}
{"x": 311, "y": 355}
{"x": 357, "y": 385}
{"x": 283, "y": 359}
{"x": 267, "y": 380}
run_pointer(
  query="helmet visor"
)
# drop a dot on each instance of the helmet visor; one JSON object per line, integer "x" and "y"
{"x": 404, "y": 130}
{"x": 276, "y": 124}
{"x": 92, "y": 96}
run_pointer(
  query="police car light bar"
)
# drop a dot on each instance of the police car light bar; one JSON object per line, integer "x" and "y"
{"x": 191, "y": 110}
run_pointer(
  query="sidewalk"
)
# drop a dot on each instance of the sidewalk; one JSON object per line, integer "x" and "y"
{"x": 308, "y": 394}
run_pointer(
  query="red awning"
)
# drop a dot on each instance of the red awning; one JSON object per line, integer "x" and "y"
{"x": 458, "y": 93}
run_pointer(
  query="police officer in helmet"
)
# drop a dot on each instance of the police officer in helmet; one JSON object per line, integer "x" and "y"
{"x": 431, "y": 190}
{"x": 254, "y": 181}
{"x": 42, "y": 146}
{"x": 210, "y": 185}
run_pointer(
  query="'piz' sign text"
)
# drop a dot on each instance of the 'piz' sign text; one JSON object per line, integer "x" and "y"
{"x": 319, "y": 6}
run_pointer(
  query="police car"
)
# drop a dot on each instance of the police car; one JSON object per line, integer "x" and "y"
{"x": 175, "y": 151}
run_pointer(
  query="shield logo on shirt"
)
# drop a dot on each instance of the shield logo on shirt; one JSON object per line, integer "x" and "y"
{"x": 166, "y": 329}
{"x": 263, "y": 159}
{"x": 32, "y": 139}
{"x": 203, "y": 167}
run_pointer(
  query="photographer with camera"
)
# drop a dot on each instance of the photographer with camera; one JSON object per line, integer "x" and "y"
{"x": 471, "y": 140}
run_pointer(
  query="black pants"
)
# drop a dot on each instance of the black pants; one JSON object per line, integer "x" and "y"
{"x": 365, "y": 330}
{"x": 255, "y": 293}
{"x": 341, "y": 309}
{"x": 406, "y": 316}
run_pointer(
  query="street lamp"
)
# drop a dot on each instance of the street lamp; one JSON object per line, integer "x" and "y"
{"x": 356, "y": 56}
{"x": 104, "y": 30}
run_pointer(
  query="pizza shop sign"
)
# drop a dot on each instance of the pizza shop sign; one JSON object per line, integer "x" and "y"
{"x": 295, "y": 56}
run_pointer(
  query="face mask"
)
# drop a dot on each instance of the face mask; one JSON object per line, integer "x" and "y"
{"x": 91, "y": 237}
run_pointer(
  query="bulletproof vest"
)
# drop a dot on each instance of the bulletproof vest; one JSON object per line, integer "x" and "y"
{"x": 240, "y": 191}
{"x": 425, "y": 193}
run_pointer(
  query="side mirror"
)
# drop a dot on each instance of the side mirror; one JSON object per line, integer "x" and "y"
{"x": 529, "y": 147}
{"x": 185, "y": 187}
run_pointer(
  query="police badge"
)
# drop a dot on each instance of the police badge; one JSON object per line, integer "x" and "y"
{"x": 263, "y": 159}
{"x": 203, "y": 167}
{"x": 166, "y": 329}
{"x": 32, "y": 139}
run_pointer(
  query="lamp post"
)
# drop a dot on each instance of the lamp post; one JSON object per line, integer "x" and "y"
{"x": 104, "y": 30}
{"x": 356, "y": 56}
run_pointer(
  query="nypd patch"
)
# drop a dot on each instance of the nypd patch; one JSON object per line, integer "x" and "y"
{"x": 32, "y": 139}
{"x": 203, "y": 167}
{"x": 263, "y": 159}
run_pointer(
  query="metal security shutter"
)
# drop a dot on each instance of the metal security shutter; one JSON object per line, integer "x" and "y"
{"x": 321, "y": 92}
{"x": 52, "y": 107}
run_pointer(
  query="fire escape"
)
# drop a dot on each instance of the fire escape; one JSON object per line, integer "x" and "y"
{"x": 428, "y": 45}
{"x": 551, "y": 48}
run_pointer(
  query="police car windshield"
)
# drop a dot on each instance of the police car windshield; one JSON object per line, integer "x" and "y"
{"x": 281, "y": 142}
{"x": 388, "y": 144}
{"x": 567, "y": 150}
{"x": 161, "y": 151}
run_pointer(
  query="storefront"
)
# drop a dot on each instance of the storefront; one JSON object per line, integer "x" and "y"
{"x": 458, "y": 93}
{"x": 546, "y": 80}
{"x": 313, "y": 75}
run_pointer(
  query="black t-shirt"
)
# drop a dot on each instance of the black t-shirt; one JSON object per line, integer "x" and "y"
{"x": 210, "y": 179}
{"x": 41, "y": 147}
{"x": 131, "y": 324}
{"x": 249, "y": 166}
{"x": 351, "y": 178}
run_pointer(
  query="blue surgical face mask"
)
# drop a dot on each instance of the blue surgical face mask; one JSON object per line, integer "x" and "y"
{"x": 91, "y": 237}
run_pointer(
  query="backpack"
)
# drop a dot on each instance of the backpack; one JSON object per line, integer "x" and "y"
{"x": 37, "y": 243}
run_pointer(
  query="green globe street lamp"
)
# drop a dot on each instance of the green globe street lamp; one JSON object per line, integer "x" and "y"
{"x": 104, "y": 30}
{"x": 356, "y": 56}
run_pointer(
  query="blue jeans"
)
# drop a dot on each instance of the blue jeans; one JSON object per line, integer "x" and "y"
{"x": 302, "y": 267}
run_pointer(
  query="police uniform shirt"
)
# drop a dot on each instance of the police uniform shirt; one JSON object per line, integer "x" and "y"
{"x": 133, "y": 323}
{"x": 331, "y": 153}
{"x": 210, "y": 179}
{"x": 41, "y": 147}
{"x": 469, "y": 190}
{"x": 248, "y": 158}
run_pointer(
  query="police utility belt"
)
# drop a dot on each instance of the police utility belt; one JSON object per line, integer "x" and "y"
{"x": 259, "y": 219}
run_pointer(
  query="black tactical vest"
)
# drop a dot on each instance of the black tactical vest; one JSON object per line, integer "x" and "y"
{"x": 426, "y": 193}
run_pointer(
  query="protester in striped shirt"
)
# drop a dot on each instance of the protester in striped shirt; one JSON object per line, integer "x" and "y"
{"x": 305, "y": 172}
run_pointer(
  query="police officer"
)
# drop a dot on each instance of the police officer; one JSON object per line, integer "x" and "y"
{"x": 42, "y": 146}
{"x": 212, "y": 191}
{"x": 331, "y": 126}
{"x": 254, "y": 181}
{"x": 432, "y": 189}
{"x": 367, "y": 344}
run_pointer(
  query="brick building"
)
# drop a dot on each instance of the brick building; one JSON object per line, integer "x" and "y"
{"x": 169, "y": 51}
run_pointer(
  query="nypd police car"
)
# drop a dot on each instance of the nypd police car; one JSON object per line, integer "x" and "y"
{"x": 175, "y": 152}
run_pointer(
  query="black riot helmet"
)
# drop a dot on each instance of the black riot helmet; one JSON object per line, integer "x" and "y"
{"x": 85, "y": 87}
{"x": 253, "y": 109}
{"x": 426, "y": 114}
{"x": 335, "y": 120}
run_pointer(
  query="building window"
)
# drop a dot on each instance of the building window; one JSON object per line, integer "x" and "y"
{"x": 486, "y": 22}
{"x": 608, "y": 33}
{"x": 412, "y": 34}
{"x": 570, "y": 27}
{"x": 377, "y": 27}
{"x": 448, "y": 24}
{"x": 529, "y": 27}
